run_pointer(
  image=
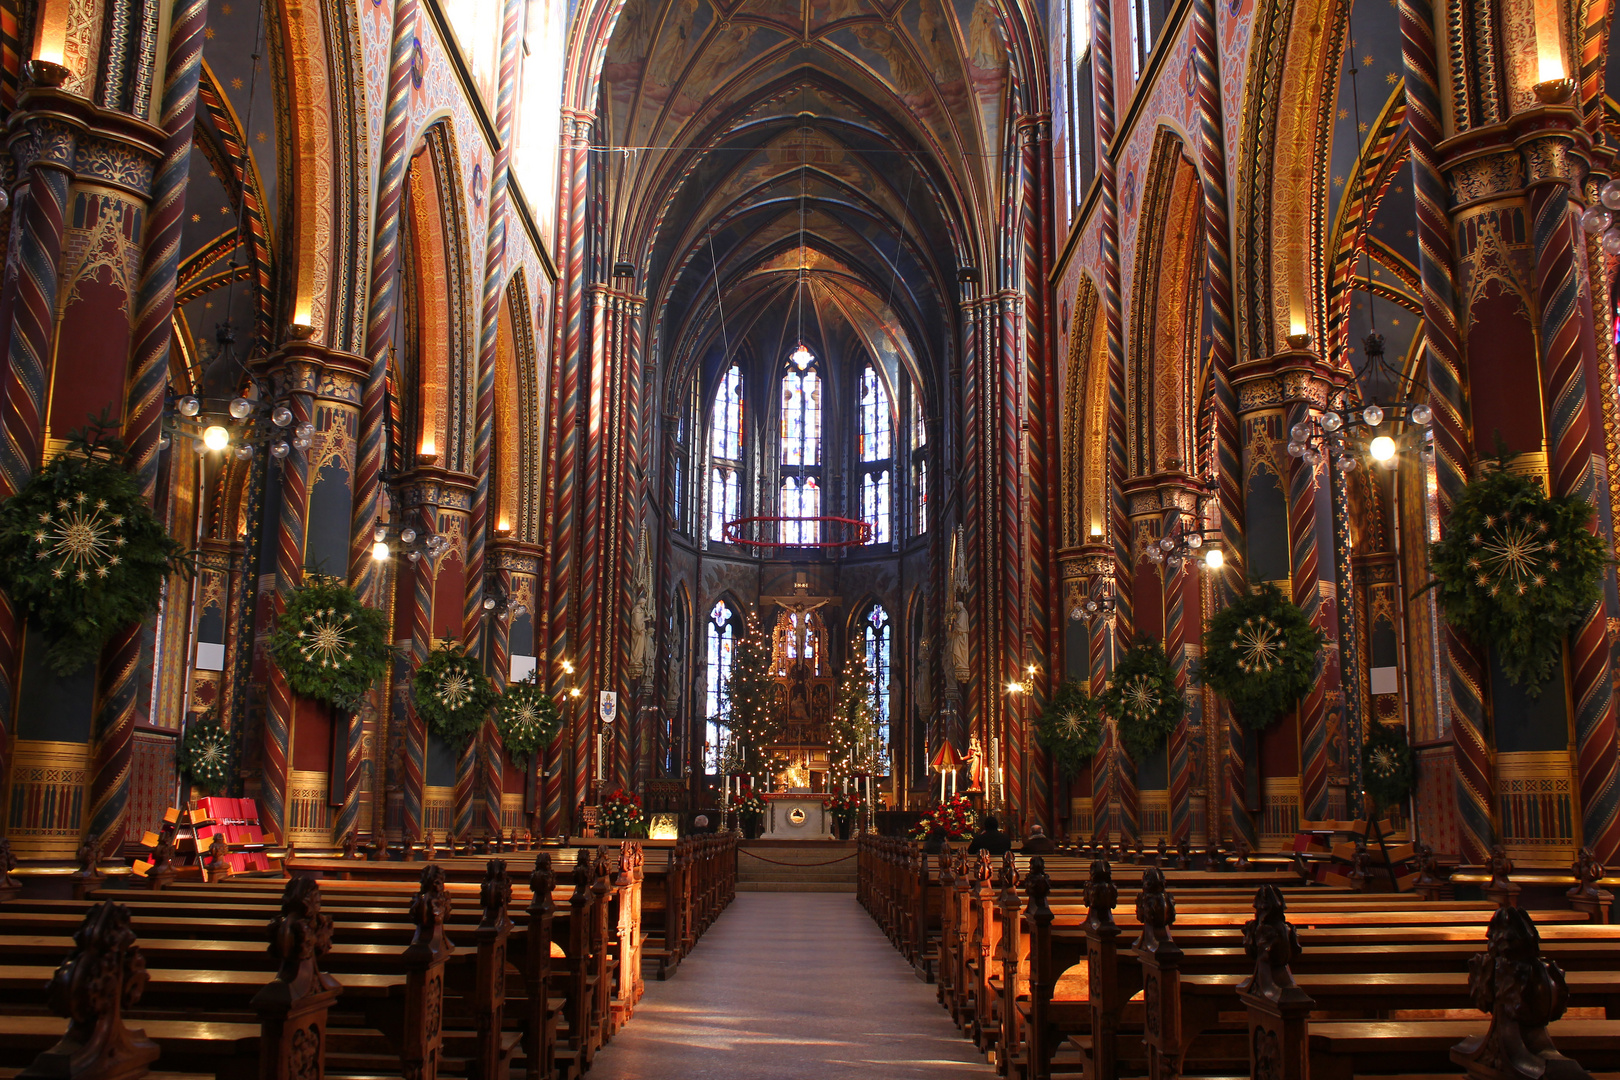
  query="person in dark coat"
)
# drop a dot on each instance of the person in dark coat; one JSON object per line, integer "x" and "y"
{"x": 1038, "y": 843}
{"x": 935, "y": 841}
{"x": 990, "y": 838}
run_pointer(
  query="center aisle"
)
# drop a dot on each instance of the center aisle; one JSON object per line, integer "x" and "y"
{"x": 791, "y": 986}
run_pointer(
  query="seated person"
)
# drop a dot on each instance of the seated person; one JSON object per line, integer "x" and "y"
{"x": 934, "y": 843}
{"x": 700, "y": 824}
{"x": 990, "y": 838}
{"x": 1037, "y": 842}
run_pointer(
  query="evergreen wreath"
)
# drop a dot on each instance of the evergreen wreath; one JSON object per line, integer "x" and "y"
{"x": 452, "y": 694}
{"x": 1260, "y": 655}
{"x": 1387, "y": 769}
{"x": 527, "y": 718}
{"x": 205, "y": 754}
{"x": 330, "y": 646}
{"x": 1071, "y": 727}
{"x": 1517, "y": 570}
{"x": 1143, "y": 699}
{"x": 81, "y": 554}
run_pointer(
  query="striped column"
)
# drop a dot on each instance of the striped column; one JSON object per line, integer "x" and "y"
{"x": 1447, "y": 375}
{"x": 1349, "y": 637}
{"x": 363, "y": 571}
{"x": 115, "y": 718}
{"x": 419, "y": 601}
{"x": 1306, "y": 575}
{"x": 1180, "y": 635}
{"x": 1011, "y": 553}
{"x": 499, "y": 665}
{"x": 1228, "y": 454}
{"x": 1569, "y": 370}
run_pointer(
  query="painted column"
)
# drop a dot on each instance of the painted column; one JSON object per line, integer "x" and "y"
{"x": 1577, "y": 465}
{"x": 1447, "y": 379}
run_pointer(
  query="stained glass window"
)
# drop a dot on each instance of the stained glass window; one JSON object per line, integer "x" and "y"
{"x": 919, "y": 487}
{"x": 879, "y": 635}
{"x": 800, "y": 500}
{"x": 801, "y": 415}
{"x": 875, "y": 504}
{"x": 725, "y": 500}
{"x": 722, "y": 642}
{"x": 875, "y": 444}
{"x": 726, "y": 439}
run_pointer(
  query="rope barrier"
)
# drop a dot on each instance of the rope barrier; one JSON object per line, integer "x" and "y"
{"x": 774, "y": 862}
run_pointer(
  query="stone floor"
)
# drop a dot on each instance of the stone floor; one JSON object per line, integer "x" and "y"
{"x": 791, "y": 986}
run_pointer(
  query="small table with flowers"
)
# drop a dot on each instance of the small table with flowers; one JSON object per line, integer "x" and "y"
{"x": 796, "y": 815}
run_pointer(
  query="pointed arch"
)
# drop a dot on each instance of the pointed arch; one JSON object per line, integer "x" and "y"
{"x": 517, "y": 421}
{"x": 1166, "y": 312}
{"x": 1080, "y": 396}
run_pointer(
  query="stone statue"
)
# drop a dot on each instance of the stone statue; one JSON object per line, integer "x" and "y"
{"x": 641, "y": 641}
{"x": 923, "y": 685}
{"x": 956, "y": 637}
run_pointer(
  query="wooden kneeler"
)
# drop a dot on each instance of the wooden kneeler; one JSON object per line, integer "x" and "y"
{"x": 292, "y": 1008}
{"x": 103, "y": 976}
{"x": 1279, "y": 1011}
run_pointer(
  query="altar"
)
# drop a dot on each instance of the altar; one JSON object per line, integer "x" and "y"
{"x": 796, "y": 815}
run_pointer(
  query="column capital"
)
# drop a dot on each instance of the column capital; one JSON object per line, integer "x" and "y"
{"x": 1294, "y": 375}
{"x": 52, "y": 127}
{"x": 320, "y": 370}
{"x": 431, "y": 487}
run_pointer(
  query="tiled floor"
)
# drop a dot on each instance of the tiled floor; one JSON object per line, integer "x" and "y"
{"x": 791, "y": 986}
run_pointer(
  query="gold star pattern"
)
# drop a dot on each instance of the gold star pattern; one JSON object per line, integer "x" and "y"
{"x": 196, "y": 217}
{"x": 208, "y": 32}
{"x": 1366, "y": 61}
{"x": 82, "y": 539}
{"x": 236, "y": 84}
{"x": 1392, "y": 78}
{"x": 324, "y": 638}
{"x": 261, "y": 136}
{"x": 1338, "y": 181}
{"x": 224, "y": 9}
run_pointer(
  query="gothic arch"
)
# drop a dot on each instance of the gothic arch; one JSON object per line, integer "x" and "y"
{"x": 1084, "y": 414}
{"x": 1166, "y": 311}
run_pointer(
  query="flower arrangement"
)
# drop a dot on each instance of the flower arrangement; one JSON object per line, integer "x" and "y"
{"x": 955, "y": 815}
{"x": 452, "y": 694}
{"x": 1517, "y": 570}
{"x": 1143, "y": 699}
{"x": 328, "y": 644}
{"x": 620, "y": 814}
{"x": 1260, "y": 655}
{"x": 1387, "y": 769}
{"x": 81, "y": 554}
{"x": 748, "y": 803}
{"x": 843, "y": 806}
{"x": 1071, "y": 727}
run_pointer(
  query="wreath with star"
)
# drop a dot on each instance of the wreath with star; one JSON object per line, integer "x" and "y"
{"x": 1260, "y": 655}
{"x": 1071, "y": 727}
{"x": 1143, "y": 698}
{"x": 527, "y": 719}
{"x": 1387, "y": 769}
{"x": 329, "y": 644}
{"x": 205, "y": 754}
{"x": 1517, "y": 570}
{"x": 82, "y": 556}
{"x": 452, "y": 694}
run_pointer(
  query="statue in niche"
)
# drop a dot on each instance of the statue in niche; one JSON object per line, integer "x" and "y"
{"x": 957, "y": 640}
{"x": 641, "y": 641}
{"x": 924, "y": 686}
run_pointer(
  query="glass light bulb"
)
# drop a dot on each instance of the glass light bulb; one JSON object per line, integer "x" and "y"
{"x": 1611, "y": 241}
{"x": 1195, "y": 541}
{"x": 1422, "y": 415}
{"x": 379, "y": 534}
{"x": 408, "y": 535}
{"x": 1347, "y": 463}
{"x": 1332, "y": 422}
{"x": 281, "y": 416}
{"x": 1610, "y": 194}
{"x": 244, "y": 452}
{"x": 489, "y": 603}
{"x": 1382, "y": 448}
{"x": 164, "y": 441}
{"x": 1091, "y": 607}
{"x": 279, "y": 450}
{"x": 5, "y": 200}
{"x": 1594, "y": 219}
{"x": 1214, "y": 558}
{"x": 240, "y": 407}
{"x": 1372, "y": 416}
{"x": 1075, "y": 614}
{"x": 190, "y": 405}
{"x": 1300, "y": 432}
{"x": 1167, "y": 543}
{"x": 379, "y": 551}
{"x": 216, "y": 437}
{"x": 1296, "y": 449}
{"x": 306, "y": 428}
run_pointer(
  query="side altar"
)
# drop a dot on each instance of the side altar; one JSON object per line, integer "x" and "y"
{"x": 796, "y": 815}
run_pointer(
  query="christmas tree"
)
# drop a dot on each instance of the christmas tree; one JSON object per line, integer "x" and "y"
{"x": 854, "y": 745}
{"x": 750, "y": 703}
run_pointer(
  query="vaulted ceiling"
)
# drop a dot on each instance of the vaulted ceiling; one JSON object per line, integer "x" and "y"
{"x": 856, "y": 145}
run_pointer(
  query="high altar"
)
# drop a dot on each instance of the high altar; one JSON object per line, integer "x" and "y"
{"x": 796, "y": 815}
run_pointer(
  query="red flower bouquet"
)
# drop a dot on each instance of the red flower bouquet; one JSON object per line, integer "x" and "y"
{"x": 843, "y": 806}
{"x": 621, "y": 813}
{"x": 748, "y": 803}
{"x": 955, "y": 815}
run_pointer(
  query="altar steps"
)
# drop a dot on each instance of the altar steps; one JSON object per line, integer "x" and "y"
{"x": 796, "y": 866}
